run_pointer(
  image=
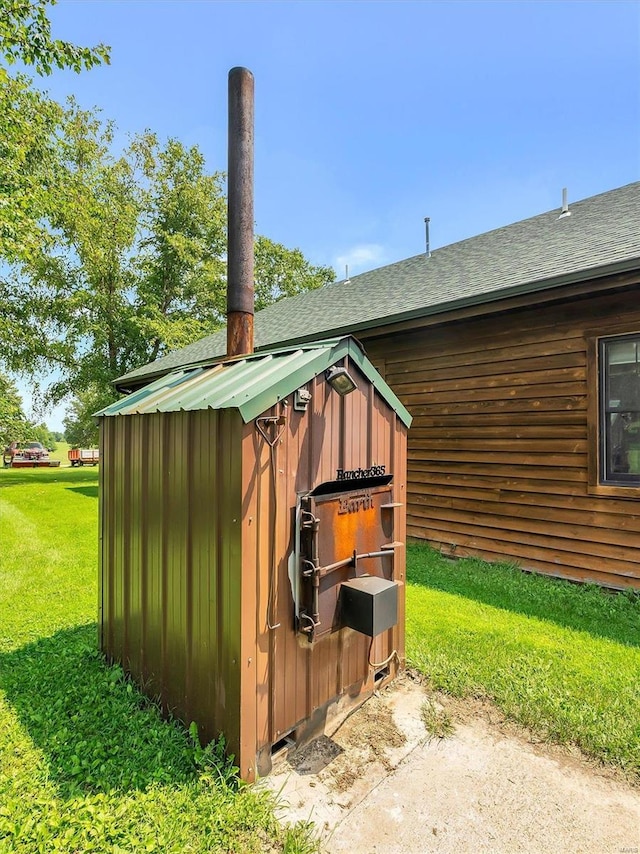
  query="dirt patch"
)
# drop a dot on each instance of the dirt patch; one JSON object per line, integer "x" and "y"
{"x": 315, "y": 756}
{"x": 365, "y": 740}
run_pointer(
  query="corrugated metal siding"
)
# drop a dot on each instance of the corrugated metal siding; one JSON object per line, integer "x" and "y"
{"x": 290, "y": 679}
{"x": 170, "y": 551}
{"x": 190, "y": 530}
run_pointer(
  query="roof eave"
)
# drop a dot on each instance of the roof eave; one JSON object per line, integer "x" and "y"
{"x": 128, "y": 383}
{"x": 313, "y": 361}
{"x": 536, "y": 286}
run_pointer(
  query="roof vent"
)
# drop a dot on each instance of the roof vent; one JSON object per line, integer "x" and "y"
{"x": 427, "y": 220}
{"x": 565, "y": 204}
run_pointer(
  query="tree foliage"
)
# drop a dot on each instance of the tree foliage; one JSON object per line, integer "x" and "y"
{"x": 29, "y": 125}
{"x": 14, "y": 426}
{"x": 180, "y": 262}
{"x": 78, "y": 287}
{"x": 25, "y": 35}
{"x": 29, "y": 119}
{"x": 109, "y": 260}
{"x": 28, "y": 122}
{"x": 282, "y": 272}
{"x": 80, "y": 428}
{"x": 134, "y": 261}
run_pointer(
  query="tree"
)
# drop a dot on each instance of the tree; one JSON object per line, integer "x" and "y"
{"x": 180, "y": 262}
{"x": 14, "y": 425}
{"x": 282, "y": 272}
{"x": 134, "y": 264}
{"x": 80, "y": 287}
{"x": 41, "y": 433}
{"x": 27, "y": 126}
{"x": 25, "y": 34}
{"x": 29, "y": 119}
{"x": 29, "y": 122}
{"x": 114, "y": 260}
{"x": 80, "y": 428}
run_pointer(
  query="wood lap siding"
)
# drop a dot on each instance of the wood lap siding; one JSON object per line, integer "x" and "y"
{"x": 499, "y": 447}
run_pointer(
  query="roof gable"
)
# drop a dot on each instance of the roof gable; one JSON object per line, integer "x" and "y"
{"x": 251, "y": 384}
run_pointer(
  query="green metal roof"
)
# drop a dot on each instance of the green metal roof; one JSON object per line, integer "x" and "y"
{"x": 601, "y": 236}
{"x": 251, "y": 384}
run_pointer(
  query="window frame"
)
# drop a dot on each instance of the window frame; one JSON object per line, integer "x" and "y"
{"x": 597, "y": 484}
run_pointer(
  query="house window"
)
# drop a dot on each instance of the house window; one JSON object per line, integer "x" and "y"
{"x": 620, "y": 410}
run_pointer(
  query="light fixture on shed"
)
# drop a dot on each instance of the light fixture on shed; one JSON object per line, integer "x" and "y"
{"x": 340, "y": 380}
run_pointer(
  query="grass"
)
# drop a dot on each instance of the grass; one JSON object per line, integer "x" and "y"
{"x": 436, "y": 720}
{"x": 86, "y": 762}
{"x": 559, "y": 658}
{"x": 60, "y": 453}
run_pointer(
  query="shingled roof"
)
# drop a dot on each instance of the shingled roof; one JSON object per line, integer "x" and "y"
{"x": 601, "y": 236}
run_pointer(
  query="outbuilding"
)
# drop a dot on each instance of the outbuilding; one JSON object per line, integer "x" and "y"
{"x": 252, "y": 529}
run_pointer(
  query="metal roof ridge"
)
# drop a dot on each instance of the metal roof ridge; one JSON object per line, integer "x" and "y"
{"x": 312, "y": 362}
{"x": 277, "y": 349}
{"x": 253, "y": 386}
{"x": 273, "y": 349}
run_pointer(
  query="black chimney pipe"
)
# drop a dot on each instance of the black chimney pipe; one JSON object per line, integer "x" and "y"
{"x": 240, "y": 289}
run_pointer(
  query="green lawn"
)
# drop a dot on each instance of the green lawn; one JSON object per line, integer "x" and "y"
{"x": 60, "y": 453}
{"x": 560, "y": 658}
{"x": 86, "y": 763}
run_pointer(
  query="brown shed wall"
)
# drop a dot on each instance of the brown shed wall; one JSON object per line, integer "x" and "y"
{"x": 293, "y": 685}
{"x": 503, "y": 445}
{"x": 190, "y": 528}
{"x": 170, "y": 552}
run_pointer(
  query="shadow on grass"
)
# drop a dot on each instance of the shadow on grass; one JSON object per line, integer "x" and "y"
{"x": 20, "y": 477}
{"x": 581, "y": 607}
{"x": 89, "y": 491}
{"x": 94, "y": 728}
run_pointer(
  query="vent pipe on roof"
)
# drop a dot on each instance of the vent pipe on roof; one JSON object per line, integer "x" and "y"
{"x": 427, "y": 220}
{"x": 240, "y": 288}
{"x": 565, "y": 204}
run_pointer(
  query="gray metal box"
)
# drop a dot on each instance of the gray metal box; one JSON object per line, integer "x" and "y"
{"x": 369, "y": 604}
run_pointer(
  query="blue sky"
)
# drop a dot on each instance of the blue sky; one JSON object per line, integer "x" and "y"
{"x": 372, "y": 115}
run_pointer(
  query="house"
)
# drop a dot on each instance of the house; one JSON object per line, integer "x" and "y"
{"x": 517, "y": 352}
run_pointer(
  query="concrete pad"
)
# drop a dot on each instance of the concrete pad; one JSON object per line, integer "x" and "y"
{"x": 380, "y": 784}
